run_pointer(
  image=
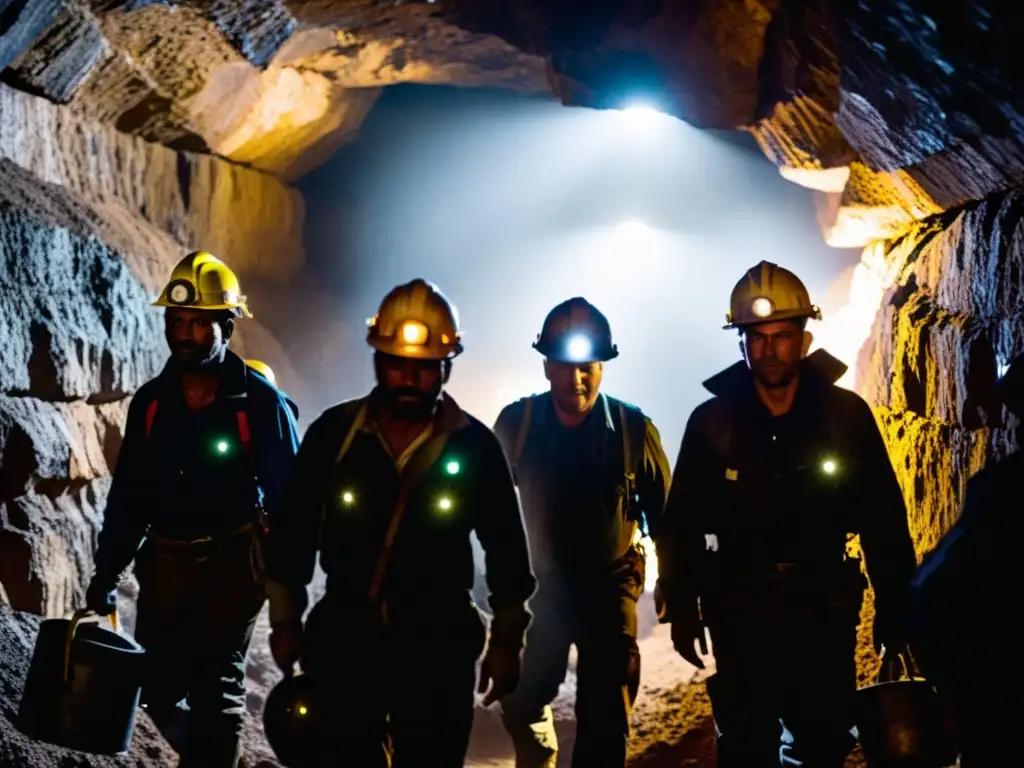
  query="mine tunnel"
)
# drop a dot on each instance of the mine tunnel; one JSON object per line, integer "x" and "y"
{"x": 640, "y": 154}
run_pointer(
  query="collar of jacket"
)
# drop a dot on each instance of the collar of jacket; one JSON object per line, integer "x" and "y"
{"x": 448, "y": 417}
{"x": 542, "y": 412}
{"x": 819, "y": 367}
{"x": 232, "y": 377}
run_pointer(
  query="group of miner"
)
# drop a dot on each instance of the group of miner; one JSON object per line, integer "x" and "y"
{"x": 221, "y": 508}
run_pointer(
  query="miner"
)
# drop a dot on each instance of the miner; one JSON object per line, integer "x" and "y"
{"x": 590, "y": 471}
{"x": 966, "y": 599}
{"x": 387, "y": 489}
{"x": 776, "y": 473}
{"x": 206, "y": 449}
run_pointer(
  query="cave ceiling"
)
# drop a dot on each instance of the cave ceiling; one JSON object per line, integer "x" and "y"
{"x": 891, "y": 111}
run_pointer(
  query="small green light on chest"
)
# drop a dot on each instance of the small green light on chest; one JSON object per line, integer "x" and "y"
{"x": 221, "y": 447}
{"x": 452, "y": 467}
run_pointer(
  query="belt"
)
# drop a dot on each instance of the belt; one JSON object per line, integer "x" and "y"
{"x": 200, "y": 549}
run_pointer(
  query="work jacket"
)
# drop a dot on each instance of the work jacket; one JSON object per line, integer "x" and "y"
{"x": 756, "y": 497}
{"x": 188, "y": 476}
{"x": 581, "y": 502}
{"x": 341, "y": 498}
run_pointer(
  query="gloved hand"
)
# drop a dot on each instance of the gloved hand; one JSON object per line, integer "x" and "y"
{"x": 100, "y": 598}
{"x": 688, "y": 627}
{"x": 286, "y": 645}
{"x": 500, "y": 672}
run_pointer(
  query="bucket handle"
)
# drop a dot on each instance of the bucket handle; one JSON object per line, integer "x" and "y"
{"x": 77, "y": 618}
{"x": 905, "y": 659}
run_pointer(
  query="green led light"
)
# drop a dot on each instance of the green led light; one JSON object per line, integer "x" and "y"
{"x": 452, "y": 467}
{"x": 222, "y": 446}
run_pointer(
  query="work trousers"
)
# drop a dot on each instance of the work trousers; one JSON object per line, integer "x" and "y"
{"x": 195, "y": 620}
{"x": 401, "y": 686}
{"x": 800, "y": 676}
{"x": 600, "y": 620}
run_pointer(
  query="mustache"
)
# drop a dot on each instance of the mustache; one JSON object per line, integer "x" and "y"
{"x": 185, "y": 346}
{"x": 407, "y": 392}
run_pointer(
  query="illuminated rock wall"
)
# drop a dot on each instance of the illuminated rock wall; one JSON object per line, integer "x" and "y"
{"x": 91, "y": 222}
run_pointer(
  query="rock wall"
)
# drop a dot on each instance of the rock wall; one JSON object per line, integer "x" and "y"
{"x": 947, "y": 328}
{"x": 91, "y": 222}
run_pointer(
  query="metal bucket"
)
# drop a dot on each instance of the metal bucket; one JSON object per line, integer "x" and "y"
{"x": 83, "y": 686}
{"x": 902, "y": 723}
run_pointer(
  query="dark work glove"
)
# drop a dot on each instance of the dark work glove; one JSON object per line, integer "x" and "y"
{"x": 100, "y": 598}
{"x": 687, "y": 629}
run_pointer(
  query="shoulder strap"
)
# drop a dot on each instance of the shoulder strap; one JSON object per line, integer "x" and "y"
{"x": 524, "y": 430}
{"x": 243, "y": 429}
{"x": 151, "y": 410}
{"x": 627, "y": 442}
{"x": 420, "y": 462}
{"x": 241, "y": 418}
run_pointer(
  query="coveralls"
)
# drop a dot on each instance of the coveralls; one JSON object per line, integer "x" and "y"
{"x": 966, "y": 615}
{"x": 756, "y": 529}
{"x": 193, "y": 492}
{"x": 582, "y": 515}
{"x": 399, "y": 668}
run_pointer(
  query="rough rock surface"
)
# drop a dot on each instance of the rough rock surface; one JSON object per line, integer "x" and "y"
{"x": 947, "y": 328}
{"x": 135, "y": 130}
{"x": 91, "y": 222}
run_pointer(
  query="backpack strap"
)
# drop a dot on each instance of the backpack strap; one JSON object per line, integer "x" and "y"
{"x": 524, "y": 430}
{"x": 241, "y": 419}
{"x": 243, "y": 429}
{"x": 151, "y": 410}
{"x": 627, "y": 444}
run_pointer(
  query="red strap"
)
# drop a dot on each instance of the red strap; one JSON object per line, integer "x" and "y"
{"x": 244, "y": 434}
{"x": 150, "y": 415}
{"x": 243, "y": 429}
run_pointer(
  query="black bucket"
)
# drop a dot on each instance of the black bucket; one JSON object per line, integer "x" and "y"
{"x": 83, "y": 687}
{"x": 902, "y": 723}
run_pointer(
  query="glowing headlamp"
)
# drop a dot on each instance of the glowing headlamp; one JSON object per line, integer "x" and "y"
{"x": 762, "y": 307}
{"x": 579, "y": 348}
{"x": 444, "y": 504}
{"x": 413, "y": 332}
{"x": 347, "y": 498}
{"x": 829, "y": 466}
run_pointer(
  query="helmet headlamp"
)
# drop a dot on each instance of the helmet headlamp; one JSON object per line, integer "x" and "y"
{"x": 413, "y": 332}
{"x": 579, "y": 348}
{"x": 762, "y": 306}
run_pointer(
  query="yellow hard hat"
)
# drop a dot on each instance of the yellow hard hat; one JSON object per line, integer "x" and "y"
{"x": 416, "y": 320}
{"x": 202, "y": 281}
{"x": 768, "y": 293}
{"x": 262, "y": 368}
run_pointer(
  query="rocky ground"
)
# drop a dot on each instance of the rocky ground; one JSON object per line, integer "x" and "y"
{"x": 672, "y": 725}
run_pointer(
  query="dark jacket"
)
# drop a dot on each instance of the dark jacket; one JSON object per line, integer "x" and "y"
{"x": 189, "y": 477}
{"x": 783, "y": 489}
{"x": 342, "y": 508}
{"x": 580, "y": 519}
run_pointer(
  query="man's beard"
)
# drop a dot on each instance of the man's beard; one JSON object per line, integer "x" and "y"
{"x": 775, "y": 376}
{"x": 190, "y": 358}
{"x": 407, "y": 404}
